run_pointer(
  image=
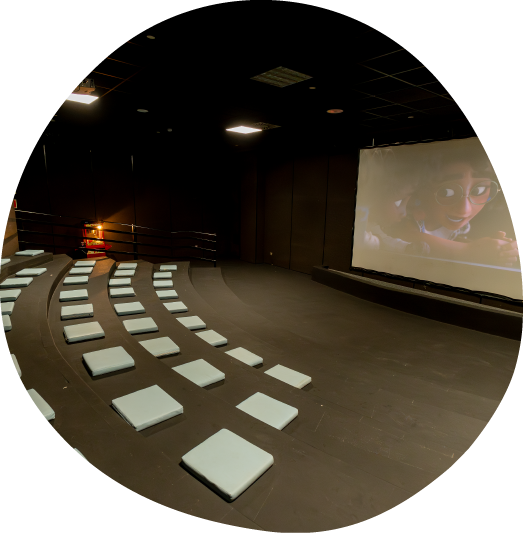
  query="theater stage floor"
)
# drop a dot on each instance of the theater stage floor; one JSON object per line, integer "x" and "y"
{"x": 394, "y": 401}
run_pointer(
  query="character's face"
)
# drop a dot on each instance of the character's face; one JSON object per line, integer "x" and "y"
{"x": 393, "y": 206}
{"x": 458, "y": 196}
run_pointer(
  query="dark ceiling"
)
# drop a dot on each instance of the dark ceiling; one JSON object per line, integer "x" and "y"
{"x": 195, "y": 78}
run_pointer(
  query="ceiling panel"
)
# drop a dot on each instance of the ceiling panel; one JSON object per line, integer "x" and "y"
{"x": 392, "y": 63}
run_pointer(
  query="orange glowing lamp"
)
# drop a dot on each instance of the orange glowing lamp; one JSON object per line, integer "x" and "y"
{"x": 93, "y": 235}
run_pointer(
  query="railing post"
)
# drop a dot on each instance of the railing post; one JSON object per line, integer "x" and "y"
{"x": 135, "y": 247}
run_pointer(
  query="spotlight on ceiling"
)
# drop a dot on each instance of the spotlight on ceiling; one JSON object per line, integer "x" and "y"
{"x": 243, "y": 129}
{"x": 334, "y": 111}
{"x": 142, "y": 110}
{"x": 82, "y": 93}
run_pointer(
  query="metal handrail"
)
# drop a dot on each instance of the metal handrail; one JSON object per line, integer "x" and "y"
{"x": 114, "y": 222}
{"x": 111, "y": 240}
{"x": 143, "y": 254}
{"x": 45, "y": 222}
{"x": 170, "y": 235}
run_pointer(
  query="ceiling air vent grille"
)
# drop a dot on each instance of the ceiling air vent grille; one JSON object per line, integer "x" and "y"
{"x": 263, "y": 126}
{"x": 281, "y": 77}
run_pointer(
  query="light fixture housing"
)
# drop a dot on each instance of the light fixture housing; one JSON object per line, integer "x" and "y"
{"x": 243, "y": 129}
{"x": 76, "y": 91}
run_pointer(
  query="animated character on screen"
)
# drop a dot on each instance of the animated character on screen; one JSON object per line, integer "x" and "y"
{"x": 458, "y": 183}
{"x": 386, "y": 187}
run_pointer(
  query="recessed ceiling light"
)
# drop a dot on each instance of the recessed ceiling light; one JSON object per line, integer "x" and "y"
{"x": 411, "y": 116}
{"x": 243, "y": 129}
{"x": 82, "y": 98}
{"x": 334, "y": 111}
{"x": 151, "y": 37}
{"x": 142, "y": 110}
{"x": 312, "y": 87}
{"x": 169, "y": 129}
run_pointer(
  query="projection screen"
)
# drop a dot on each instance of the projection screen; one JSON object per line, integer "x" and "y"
{"x": 435, "y": 211}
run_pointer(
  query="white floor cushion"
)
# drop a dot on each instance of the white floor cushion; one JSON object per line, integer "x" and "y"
{"x": 81, "y": 457}
{"x": 10, "y": 296}
{"x": 289, "y": 376}
{"x": 200, "y": 372}
{"x": 81, "y": 271}
{"x": 140, "y": 325}
{"x": 147, "y": 407}
{"x": 161, "y": 347}
{"x": 192, "y": 322}
{"x": 176, "y": 307}
{"x": 30, "y": 253}
{"x": 133, "y": 308}
{"x": 127, "y": 266}
{"x": 76, "y": 280}
{"x": 77, "y": 311}
{"x": 85, "y": 264}
{"x": 6, "y": 322}
{"x": 41, "y": 404}
{"x": 162, "y": 284}
{"x": 162, "y": 275}
{"x": 9, "y": 367}
{"x": 31, "y": 272}
{"x": 7, "y": 307}
{"x": 273, "y": 412}
{"x": 4, "y": 262}
{"x": 213, "y": 338}
{"x": 122, "y": 293}
{"x": 108, "y": 360}
{"x": 124, "y": 273}
{"x": 167, "y": 295}
{"x": 167, "y": 268}
{"x": 14, "y": 283}
{"x": 123, "y": 282}
{"x": 83, "y": 332}
{"x": 228, "y": 463}
{"x": 28, "y": 407}
{"x": 245, "y": 356}
{"x": 71, "y": 296}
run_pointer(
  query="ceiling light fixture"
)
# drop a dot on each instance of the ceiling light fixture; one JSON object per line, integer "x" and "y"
{"x": 411, "y": 116}
{"x": 243, "y": 129}
{"x": 142, "y": 110}
{"x": 169, "y": 129}
{"x": 334, "y": 111}
{"x": 151, "y": 37}
{"x": 281, "y": 77}
{"x": 312, "y": 87}
{"x": 75, "y": 91}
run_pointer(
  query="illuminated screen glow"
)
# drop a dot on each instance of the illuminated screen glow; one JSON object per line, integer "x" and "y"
{"x": 436, "y": 212}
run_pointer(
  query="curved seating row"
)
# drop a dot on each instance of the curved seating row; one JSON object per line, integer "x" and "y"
{"x": 204, "y": 414}
{"x": 223, "y": 395}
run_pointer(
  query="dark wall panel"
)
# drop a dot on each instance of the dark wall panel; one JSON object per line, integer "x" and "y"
{"x": 113, "y": 191}
{"x": 278, "y": 177}
{"x": 308, "y": 211}
{"x": 114, "y": 194}
{"x": 339, "y": 221}
{"x": 32, "y": 192}
{"x": 71, "y": 180}
{"x": 248, "y": 207}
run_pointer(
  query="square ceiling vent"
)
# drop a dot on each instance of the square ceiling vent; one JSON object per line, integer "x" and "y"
{"x": 281, "y": 77}
{"x": 263, "y": 126}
